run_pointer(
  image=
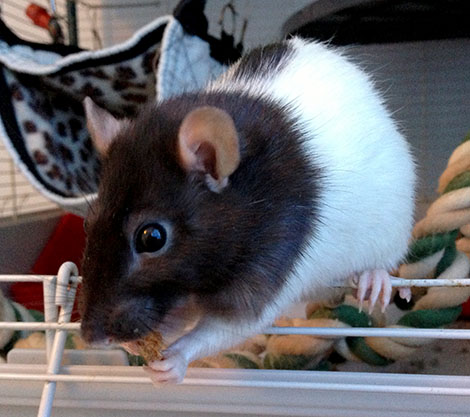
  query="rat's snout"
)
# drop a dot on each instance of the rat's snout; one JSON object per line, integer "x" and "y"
{"x": 129, "y": 322}
{"x": 129, "y": 319}
{"x": 93, "y": 333}
{"x": 92, "y": 326}
{"x": 93, "y": 318}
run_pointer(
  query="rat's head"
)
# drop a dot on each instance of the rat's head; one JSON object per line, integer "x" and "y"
{"x": 161, "y": 231}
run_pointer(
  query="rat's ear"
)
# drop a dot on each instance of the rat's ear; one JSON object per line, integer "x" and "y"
{"x": 208, "y": 142}
{"x": 102, "y": 125}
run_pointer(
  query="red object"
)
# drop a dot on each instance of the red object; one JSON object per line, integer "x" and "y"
{"x": 466, "y": 309}
{"x": 66, "y": 243}
{"x": 38, "y": 15}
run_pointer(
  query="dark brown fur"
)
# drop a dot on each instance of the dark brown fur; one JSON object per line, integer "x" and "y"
{"x": 264, "y": 61}
{"x": 232, "y": 251}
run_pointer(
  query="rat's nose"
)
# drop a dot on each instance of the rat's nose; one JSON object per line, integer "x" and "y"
{"x": 93, "y": 333}
{"x": 127, "y": 326}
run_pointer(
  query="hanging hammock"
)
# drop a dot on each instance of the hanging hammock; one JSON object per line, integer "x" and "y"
{"x": 42, "y": 86}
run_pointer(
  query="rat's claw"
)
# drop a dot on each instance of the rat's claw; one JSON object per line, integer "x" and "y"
{"x": 169, "y": 370}
{"x": 376, "y": 288}
{"x": 375, "y": 282}
{"x": 386, "y": 289}
{"x": 405, "y": 293}
{"x": 363, "y": 283}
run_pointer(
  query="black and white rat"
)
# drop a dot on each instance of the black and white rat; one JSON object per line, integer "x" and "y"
{"x": 283, "y": 178}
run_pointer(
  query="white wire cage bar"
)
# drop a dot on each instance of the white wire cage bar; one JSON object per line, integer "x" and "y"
{"x": 241, "y": 383}
{"x": 212, "y": 392}
{"x": 462, "y": 334}
{"x": 312, "y": 331}
{"x": 59, "y": 292}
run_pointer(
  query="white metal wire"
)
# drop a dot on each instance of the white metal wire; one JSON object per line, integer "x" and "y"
{"x": 239, "y": 383}
{"x": 13, "y": 325}
{"x": 64, "y": 299}
{"x": 311, "y": 331}
{"x": 52, "y": 324}
{"x": 396, "y": 282}
{"x": 34, "y": 278}
{"x": 17, "y": 195}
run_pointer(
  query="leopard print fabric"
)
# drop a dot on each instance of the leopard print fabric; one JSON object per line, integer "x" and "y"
{"x": 42, "y": 119}
{"x": 49, "y": 117}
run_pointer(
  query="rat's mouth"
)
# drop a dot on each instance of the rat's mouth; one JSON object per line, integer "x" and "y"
{"x": 179, "y": 319}
{"x": 149, "y": 348}
{"x": 122, "y": 321}
{"x": 135, "y": 318}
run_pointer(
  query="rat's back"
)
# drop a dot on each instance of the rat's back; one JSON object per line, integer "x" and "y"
{"x": 368, "y": 177}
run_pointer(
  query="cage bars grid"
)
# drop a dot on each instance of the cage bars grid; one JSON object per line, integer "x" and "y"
{"x": 59, "y": 293}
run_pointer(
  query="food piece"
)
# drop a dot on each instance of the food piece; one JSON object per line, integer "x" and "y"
{"x": 150, "y": 347}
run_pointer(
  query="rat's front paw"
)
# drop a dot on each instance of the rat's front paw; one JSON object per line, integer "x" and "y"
{"x": 169, "y": 370}
{"x": 371, "y": 284}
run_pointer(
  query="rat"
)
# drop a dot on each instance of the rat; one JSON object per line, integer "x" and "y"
{"x": 217, "y": 209}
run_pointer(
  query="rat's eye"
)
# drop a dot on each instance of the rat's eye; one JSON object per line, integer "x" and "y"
{"x": 150, "y": 237}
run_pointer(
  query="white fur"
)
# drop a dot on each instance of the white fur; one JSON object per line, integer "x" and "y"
{"x": 367, "y": 200}
{"x": 366, "y": 211}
